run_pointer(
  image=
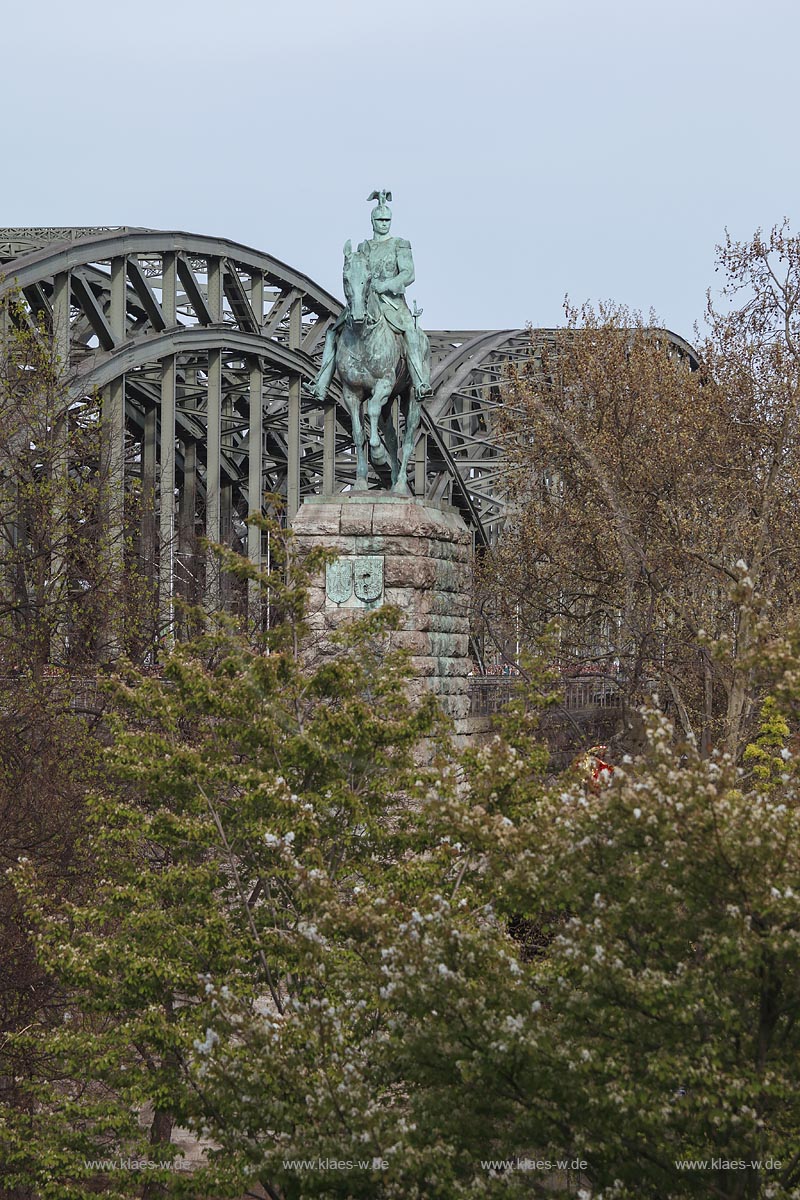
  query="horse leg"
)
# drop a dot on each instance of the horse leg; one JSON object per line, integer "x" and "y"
{"x": 413, "y": 413}
{"x": 352, "y": 402}
{"x": 374, "y": 405}
{"x": 389, "y": 435}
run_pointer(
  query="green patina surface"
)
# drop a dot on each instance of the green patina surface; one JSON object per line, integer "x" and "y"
{"x": 378, "y": 350}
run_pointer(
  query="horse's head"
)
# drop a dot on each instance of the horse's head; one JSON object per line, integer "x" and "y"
{"x": 356, "y": 284}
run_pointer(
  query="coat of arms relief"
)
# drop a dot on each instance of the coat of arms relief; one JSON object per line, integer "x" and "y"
{"x": 355, "y": 582}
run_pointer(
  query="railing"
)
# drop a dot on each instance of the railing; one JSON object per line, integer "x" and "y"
{"x": 82, "y": 694}
{"x": 588, "y": 692}
{"x": 490, "y": 693}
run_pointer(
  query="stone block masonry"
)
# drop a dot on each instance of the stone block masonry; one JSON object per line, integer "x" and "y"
{"x": 397, "y": 550}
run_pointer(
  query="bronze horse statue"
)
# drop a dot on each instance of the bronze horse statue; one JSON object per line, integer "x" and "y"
{"x": 370, "y": 362}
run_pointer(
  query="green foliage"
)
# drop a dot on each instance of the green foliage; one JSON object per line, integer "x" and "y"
{"x": 669, "y": 994}
{"x": 243, "y": 791}
{"x": 303, "y": 945}
{"x": 657, "y": 1022}
{"x": 48, "y": 754}
{"x": 768, "y": 755}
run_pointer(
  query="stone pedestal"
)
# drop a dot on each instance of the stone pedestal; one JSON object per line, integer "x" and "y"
{"x": 397, "y": 550}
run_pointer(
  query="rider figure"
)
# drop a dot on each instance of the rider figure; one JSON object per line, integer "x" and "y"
{"x": 392, "y": 271}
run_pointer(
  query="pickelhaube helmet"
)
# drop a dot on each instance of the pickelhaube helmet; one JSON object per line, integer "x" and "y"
{"x": 381, "y": 209}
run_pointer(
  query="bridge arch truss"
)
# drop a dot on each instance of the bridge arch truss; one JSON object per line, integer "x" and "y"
{"x": 203, "y": 351}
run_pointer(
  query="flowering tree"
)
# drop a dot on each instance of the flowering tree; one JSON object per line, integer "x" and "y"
{"x": 242, "y": 793}
{"x": 658, "y": 1025}
{"x": 356, "y": 977}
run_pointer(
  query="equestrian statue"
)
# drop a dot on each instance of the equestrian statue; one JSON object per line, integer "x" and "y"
{"x": 378, "y": 350}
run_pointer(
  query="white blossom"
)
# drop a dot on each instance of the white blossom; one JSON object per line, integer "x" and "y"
{"x": 206, "y": 1046}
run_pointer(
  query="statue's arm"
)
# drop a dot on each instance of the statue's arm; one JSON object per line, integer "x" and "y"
{"x": 398, "y": 283}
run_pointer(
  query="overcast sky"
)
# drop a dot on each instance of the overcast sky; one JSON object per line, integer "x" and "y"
{"x": 596, "y": 147}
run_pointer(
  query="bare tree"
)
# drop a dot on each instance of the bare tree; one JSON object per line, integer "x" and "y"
{"x": 654, "y": 502}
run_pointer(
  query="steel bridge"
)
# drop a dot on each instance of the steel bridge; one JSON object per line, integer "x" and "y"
{"x": 203, "y": 351}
